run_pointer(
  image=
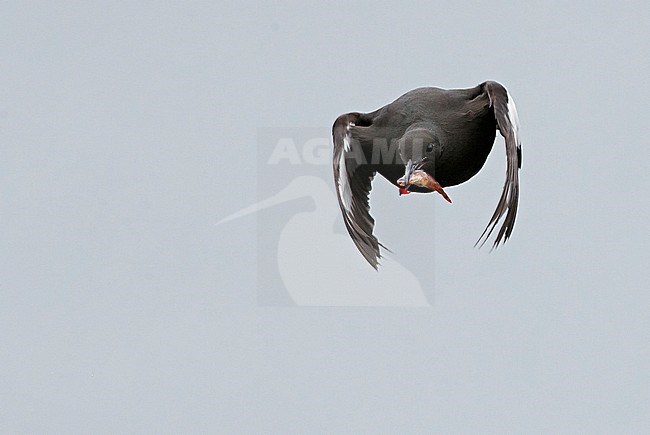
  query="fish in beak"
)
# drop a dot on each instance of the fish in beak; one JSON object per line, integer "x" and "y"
{"x": 405, "y": 180}
{"x": 418, "y": 177}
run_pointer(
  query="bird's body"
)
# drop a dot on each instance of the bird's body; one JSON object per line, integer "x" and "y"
{"x": 465, "y": 149}
{"x": 448, "y": 134}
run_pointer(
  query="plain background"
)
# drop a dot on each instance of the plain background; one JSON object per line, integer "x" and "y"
{"x": 128, "y": 129}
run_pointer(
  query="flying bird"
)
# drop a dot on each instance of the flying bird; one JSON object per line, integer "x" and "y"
{"x": 426, "y": 140}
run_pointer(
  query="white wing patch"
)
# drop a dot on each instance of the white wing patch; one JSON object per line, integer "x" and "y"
{"x": 344, "y": 184}
{"x": 346, "y": 138}
{"x": 514, "y": 118}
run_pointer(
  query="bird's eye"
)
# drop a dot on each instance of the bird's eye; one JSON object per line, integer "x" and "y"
{"x": 430, "y": 148}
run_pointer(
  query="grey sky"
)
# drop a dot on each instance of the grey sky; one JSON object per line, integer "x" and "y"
{"x": 128, "y": 130}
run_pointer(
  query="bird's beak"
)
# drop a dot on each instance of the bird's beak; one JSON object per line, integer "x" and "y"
{"x": 408, "y": 172}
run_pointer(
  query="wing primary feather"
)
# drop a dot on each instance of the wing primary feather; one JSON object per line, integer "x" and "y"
{"x": 505, "y": 112}
{"x": 353, "y": 183}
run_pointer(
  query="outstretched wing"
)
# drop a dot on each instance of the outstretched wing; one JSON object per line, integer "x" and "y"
{"x": 353, "y": 183}
{"x": 505, "y": 112}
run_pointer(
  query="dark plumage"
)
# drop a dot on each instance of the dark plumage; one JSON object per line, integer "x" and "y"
{"x": 446, "y": 135}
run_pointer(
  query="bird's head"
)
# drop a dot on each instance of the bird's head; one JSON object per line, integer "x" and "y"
{"x": 417, "y": 149}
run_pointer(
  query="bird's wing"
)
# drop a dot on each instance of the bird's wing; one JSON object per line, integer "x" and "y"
{"x": 505, "y": 112}
{"x": 353, "y": 183}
